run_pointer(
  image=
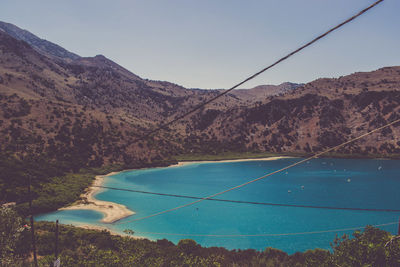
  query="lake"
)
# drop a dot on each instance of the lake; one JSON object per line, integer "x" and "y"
{"x": 349, "y": 183}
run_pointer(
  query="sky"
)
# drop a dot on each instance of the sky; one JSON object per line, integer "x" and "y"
{"x": 214, "y": 44}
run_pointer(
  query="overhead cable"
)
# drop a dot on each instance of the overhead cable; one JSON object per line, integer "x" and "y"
{"x": 249, "y": 78}
{"x": 266, "y": 234}
{"x": 264, "y": 176}
{"x": 201, "y": 105}
{"x": 250, "y": 202}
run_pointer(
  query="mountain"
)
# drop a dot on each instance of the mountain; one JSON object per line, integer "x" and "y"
{"x": 318, "y": 115}
{"x": 88, "y": 111}
{"x": 41, "y": 45}
{"x": 60, "y": 115}
{"x": 263, "y": 91}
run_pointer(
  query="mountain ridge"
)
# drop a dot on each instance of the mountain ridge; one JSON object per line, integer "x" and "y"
{"x": 70, "y": 98}
{"x": 41, "y": 45}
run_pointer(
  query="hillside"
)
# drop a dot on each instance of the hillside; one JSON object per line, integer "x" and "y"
{"x": 60, "y": 115}
{"x": 264, "y": 91}
{"x": 315, "y": 116}
{"x": 50, "y": 104}
{"x": 70, "y": 112}
{"x": 43, "y": 46}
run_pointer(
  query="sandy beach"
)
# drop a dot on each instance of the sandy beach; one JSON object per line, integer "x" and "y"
{"x": 112, "y": 211}
{"x": 183, "y": 163}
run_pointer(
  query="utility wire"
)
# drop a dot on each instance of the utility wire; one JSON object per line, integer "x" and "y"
{"x": 263, "y": 177}
{"x": 249, "y": 78}
{"x": 280, "y": 234}
{"x": 249, "y": 202}
{"x": 201, "y": 105}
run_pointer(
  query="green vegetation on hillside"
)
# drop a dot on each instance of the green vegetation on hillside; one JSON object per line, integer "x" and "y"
{"x": 51, "y": 186}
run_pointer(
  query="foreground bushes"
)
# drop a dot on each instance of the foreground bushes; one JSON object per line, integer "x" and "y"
{"x": 81, "y": 247}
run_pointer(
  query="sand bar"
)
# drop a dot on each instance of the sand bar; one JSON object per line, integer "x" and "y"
{"x": 112, "y": 211}
{"x": 183, "y": 163}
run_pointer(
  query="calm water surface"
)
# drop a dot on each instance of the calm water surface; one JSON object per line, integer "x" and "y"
{"x": 323, "y": 182}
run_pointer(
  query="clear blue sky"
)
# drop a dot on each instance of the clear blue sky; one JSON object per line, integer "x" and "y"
{"x": 217, "y": 43}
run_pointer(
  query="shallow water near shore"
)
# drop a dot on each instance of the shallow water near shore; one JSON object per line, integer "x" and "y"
{"x": 351, "y": 183}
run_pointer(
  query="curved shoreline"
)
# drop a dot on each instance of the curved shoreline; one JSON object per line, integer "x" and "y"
{"x": 113, "y": 211}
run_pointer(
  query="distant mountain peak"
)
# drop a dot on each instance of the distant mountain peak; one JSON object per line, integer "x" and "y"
{"x": 264, "y": 91}
{"x": 41, "y": 45}
{"x": 102, "y": 62}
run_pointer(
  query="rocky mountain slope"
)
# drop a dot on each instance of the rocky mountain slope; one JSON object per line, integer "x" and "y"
{"x": 318, "y": 115}
{"x": 41, "y": 45}
{"x": 88, "y": 111}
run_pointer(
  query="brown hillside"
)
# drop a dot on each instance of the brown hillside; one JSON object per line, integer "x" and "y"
{"x": 89, "y": 111}
{"x": 316, "y": 116}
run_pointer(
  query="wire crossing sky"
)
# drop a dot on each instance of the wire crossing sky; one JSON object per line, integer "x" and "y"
{"x": 280, "y": 60}
{"x": 251, "y": 77}
{"x": 213, "y": 44}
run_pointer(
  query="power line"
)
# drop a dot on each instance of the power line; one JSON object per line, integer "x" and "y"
{"x": 201, "y": 105}
{"x": 251, "y": 77}
{"x": 249, "y": 202}
{"x": 265, "y": 235}
{"x": 265, "y": 176}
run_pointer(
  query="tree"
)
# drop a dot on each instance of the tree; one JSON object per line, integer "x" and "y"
{"x": 188, "y": 246}
{"x": 370, "y": 248}
{"x": 11, "y": 230}
{"x": 129, "y": 232}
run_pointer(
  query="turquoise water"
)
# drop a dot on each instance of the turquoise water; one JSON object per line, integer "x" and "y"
{"x": 324, "y": 182}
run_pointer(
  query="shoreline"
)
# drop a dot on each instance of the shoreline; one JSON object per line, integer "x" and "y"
{"x": 183, "y": 163}
{"x": 112, "y": 211}
{"x": 104, "y": 228}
